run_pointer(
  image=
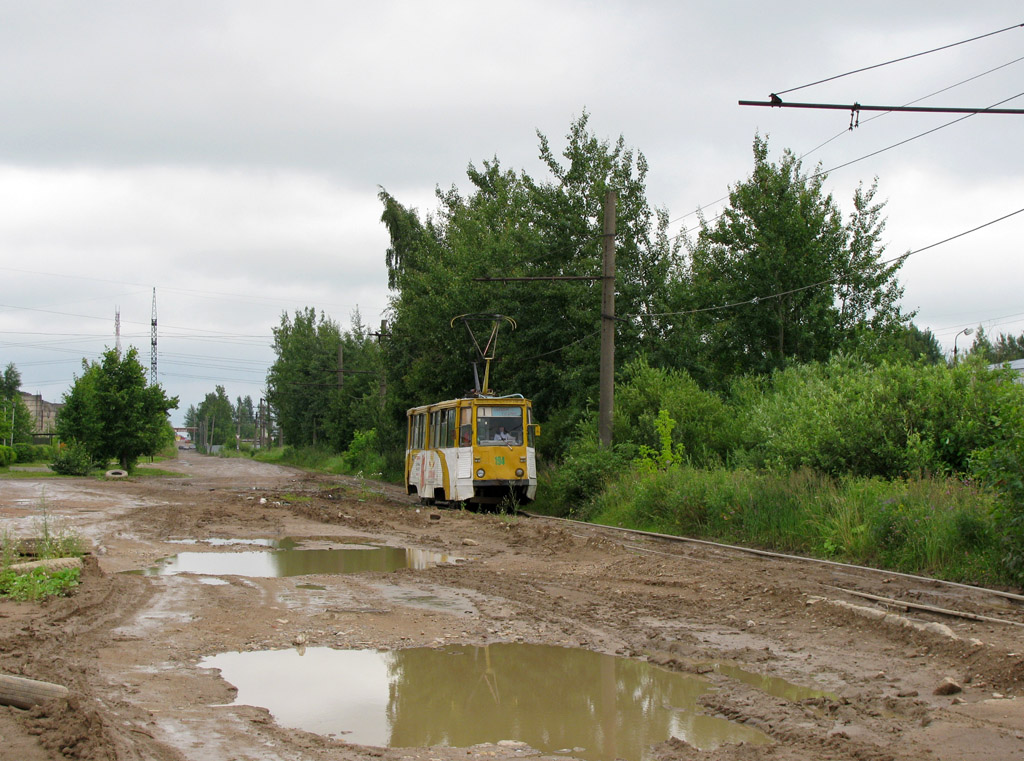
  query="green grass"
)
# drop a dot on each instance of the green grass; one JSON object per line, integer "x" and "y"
{"x": 931, "y": 526}
{"x": 12, "y": 475}
{"x": 52, "y": 540}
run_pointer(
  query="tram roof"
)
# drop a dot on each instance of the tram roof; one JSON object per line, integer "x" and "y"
{"x": 512, "y": 399}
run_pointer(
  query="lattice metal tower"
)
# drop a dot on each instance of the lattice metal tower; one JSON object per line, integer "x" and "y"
{"x": 152, "y": 344}
{"x": 117, "y": 330}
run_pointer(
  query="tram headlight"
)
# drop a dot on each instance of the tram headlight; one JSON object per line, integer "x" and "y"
{"x": 519, "y": 472}
{"x": 479, "y": 472}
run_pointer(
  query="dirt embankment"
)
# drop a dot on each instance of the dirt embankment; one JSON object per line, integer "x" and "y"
{"x": 129, "y": 646}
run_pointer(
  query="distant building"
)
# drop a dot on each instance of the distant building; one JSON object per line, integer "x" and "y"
{"x": 44, "y": 413}
{"x": 1017, "y": 365}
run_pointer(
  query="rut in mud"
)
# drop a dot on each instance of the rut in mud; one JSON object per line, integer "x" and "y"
{"x": 777, "y": 647}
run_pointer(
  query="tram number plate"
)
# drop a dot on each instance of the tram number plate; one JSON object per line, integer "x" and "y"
{"x": 499, "y": 460}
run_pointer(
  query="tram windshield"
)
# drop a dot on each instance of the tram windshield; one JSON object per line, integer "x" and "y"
{"x": 499, "y": 426}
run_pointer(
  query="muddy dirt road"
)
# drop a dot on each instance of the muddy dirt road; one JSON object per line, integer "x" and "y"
{"x": 757, "y": 636}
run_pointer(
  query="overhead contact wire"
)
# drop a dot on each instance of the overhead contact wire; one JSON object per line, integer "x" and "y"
{"x": 897, "y": 60}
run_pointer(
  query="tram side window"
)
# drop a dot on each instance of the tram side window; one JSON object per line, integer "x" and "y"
{"x": 442, "y": 428}
{"x": 499, "y": 426}
{"x": 449, "y": 427}
{"x": 465, "y": 427}
{"x": 416, "y": 431}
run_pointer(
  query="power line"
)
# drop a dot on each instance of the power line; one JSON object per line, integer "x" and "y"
{"x": 912, "y": 102}
{"x": 847, "y": 131}
{"x": 857, "y": 108}
{"x": 758, "y": 299}
{"x": 824, "y": 172}
{"x": 897, "y": 60}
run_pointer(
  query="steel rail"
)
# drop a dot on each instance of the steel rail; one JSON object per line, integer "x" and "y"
{"x": 780, "y": 555}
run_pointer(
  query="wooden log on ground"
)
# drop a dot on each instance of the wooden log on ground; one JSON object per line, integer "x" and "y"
{"x": 24, "y": 693}
{"x": 50, "y": 564}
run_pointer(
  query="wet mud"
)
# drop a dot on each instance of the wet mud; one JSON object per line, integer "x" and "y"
{"x": 778, "y": 653}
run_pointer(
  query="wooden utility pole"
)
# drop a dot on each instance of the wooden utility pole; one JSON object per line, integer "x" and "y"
{"x": 383, "y": 376}
{"x": 607, "y": 378}
{"x": 607, "y": 372}
{"x": 341, "y": 366}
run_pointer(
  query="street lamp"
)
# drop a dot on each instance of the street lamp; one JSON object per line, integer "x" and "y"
{"x": 964, "y": 332}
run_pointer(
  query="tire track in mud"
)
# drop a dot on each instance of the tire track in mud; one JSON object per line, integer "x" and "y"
{"x": 58, "y": 646}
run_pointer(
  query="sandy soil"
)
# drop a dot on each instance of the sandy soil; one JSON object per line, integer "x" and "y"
{"x": 129, "y": 646}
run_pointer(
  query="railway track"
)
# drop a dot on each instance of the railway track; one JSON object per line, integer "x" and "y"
{"x": 904, "y": 591}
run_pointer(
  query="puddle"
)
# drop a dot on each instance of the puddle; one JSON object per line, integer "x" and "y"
{"x": 298, "y": 562}
{"x": 594, "y": 706}
{"x": 316, "y": 587}
{"x": 772, "y": 685}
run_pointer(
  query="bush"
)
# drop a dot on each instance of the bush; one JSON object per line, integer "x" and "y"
{"x": 72, "y": 459}
{"x": 847, "y": 417}
{"x": 580, "y": 478}
{"x": 704, "y": 427}
{"x": 31, "y": 452}
{"x": 7, "y": 456}
{"x": 363, "y": 455}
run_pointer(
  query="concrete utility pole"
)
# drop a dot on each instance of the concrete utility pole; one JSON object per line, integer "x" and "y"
{"x": 607, "y": 379}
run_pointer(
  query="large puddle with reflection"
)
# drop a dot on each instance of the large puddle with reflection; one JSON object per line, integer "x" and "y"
{"x": 558, "y": 700}
{"x": 276, "y": 563}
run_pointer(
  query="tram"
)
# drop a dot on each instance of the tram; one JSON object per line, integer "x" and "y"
{"x": 477, "y": 450}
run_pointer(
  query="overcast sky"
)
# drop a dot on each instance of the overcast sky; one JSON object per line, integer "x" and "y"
{"x": 229, "y": 154}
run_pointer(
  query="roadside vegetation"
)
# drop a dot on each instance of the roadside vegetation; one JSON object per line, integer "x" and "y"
{"x": 770, "y": 389}
{"x": 50, "y": 541}
{"x": 904, "y": 466}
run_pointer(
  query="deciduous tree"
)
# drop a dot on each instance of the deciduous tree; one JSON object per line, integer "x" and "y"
{"x": 780, "y": 277}
{"x": 113, "y": 413}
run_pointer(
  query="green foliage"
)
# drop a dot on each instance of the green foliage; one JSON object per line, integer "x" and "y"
{"x": 15, "y": 417}
{"x": 72, "y": 459}
{"x": 38, "y": 584}
{"x": 703, "y": 427}
{"x": 26, "y": 453}
{"x": 667, "y": 454}
{"x": 1007, "y": 348}
{"x": 942, "y": 527}
{"x": 52, "y": 541}
{"x": 363, "y": 455}
{"x": 113, "y": 413}
{"x": 1001, "y": 466}
{"x": 850, "y": 417}
{"x": 510, "y": 224}
{"x": 7, "y": 456}
{"x": 582, "y": 476}
{"x": 804, "y": 283}
{"x": 313, "y": 407}
{"x": 215, "y": 420}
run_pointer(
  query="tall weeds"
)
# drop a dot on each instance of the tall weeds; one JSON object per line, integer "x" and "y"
{"x": 934, "y": 526}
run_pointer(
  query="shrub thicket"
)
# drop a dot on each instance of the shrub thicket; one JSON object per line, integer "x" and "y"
{"x": 72, "y": 459}
{"x": 891, "y": 420}
{"x": 868, "y": 463}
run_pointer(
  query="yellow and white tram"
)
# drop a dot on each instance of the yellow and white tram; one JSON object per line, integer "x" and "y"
{"x": 478, "y": 450}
